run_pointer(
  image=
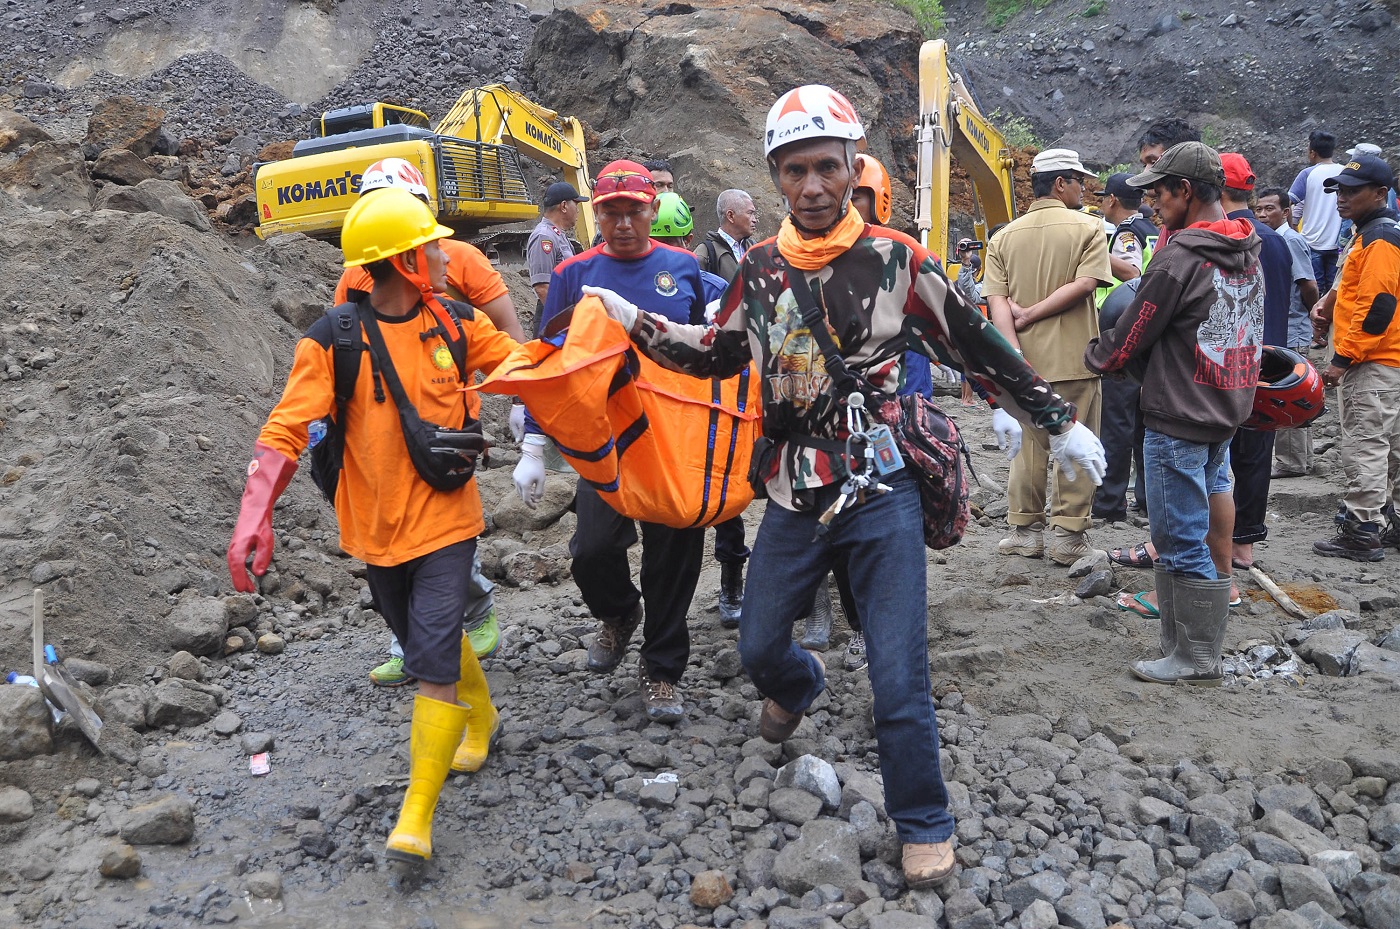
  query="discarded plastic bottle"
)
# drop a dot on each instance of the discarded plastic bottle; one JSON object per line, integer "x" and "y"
{"x": 14, "y": 677}
{"x": 315, "y": 433}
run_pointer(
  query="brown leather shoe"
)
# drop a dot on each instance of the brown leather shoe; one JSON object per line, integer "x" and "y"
{"x": 926, "y": 865}
{"x": 776, "y": 724}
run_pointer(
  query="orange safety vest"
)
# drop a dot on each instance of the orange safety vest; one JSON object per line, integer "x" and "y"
{"x": 659, "y": 446}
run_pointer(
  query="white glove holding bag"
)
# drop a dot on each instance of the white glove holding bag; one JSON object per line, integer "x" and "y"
{"x": 517, "y": 421}
{"x": 1078, "y": 446}
{"x": 1008, "y": 432}
{"x": 529, "y": 472}
{"x": 618, "y": 307}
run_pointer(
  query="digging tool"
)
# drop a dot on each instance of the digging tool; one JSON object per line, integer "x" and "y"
{"x": 58, "y": 685}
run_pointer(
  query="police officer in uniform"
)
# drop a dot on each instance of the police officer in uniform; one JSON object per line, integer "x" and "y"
{"x": 549, "y": 241}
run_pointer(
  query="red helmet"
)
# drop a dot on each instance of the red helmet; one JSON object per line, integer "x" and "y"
{"x": 1289, "y": 394}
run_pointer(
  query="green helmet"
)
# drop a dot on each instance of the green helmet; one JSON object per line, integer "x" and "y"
{"x": 673, "y": 219}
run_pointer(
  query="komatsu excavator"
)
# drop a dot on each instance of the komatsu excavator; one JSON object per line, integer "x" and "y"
{"x": 471, "y": 161}
{"x": 951, "y": 127}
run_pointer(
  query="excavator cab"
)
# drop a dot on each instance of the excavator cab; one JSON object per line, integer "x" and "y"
{"x": 370, "y": 116}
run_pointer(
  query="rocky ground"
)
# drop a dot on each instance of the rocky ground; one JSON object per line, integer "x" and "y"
{"x": 141, "y": 345}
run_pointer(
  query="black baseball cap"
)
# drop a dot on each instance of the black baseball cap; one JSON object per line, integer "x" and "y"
{"x": 1361, "y": 171}
{"x": 562, "y": 192}
{"x": 1194, "y": 161}
{"x": 1117, "y": 186}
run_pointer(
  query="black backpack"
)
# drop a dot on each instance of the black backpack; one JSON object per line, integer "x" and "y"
{"x": 328, "y": 455}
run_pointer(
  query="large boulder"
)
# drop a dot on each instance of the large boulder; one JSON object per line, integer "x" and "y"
{"x": 827, "y": 852}
{"x": 122, "y": 122}
{"x": 695, "y": 85}
{"x": 167, "y": 820}
{"x": 121, "y": 166}
{"x": 26, "y": 728}
{"x": 16, "y": 131}
{"x": 155, "y": 196}
{"x": 198, "y": 626}
{"x": 50, "y": 175}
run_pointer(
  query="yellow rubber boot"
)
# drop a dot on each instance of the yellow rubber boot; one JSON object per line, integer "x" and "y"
{"x": 437, "y": 729}
{"x": 483, "y": 722}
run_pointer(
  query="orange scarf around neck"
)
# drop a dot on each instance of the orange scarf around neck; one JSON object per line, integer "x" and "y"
{"x": 812, "y": 254}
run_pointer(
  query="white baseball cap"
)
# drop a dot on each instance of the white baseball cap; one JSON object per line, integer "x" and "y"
{"x": 1365, "y": 148}
{"x": 1058, "y": 159}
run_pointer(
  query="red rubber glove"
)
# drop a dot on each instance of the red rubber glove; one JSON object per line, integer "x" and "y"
{"x": 269, "y": 473}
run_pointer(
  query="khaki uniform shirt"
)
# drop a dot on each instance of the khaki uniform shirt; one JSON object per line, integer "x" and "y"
{"x": 1039, "y": 252}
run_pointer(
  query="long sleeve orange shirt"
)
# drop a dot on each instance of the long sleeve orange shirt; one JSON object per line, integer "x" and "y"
{"x": 387, "y": 513}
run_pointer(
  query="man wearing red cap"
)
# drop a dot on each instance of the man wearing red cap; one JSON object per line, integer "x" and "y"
{"x": 1252, "y": 452}
{"x": 666, "y": 279}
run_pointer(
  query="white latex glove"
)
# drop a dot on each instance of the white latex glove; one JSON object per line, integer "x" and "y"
{"x": 1079, "y": 446}
{"x": 947, "y": 374}
{"x": 517, "y": 421}
{"x": 1008, "y": 432}
{"x": 529, "y": 472}
{"x": 712, "y": 310}
{"x": 618, "y": 307}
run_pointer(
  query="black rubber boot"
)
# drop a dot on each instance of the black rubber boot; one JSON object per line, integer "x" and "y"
{"x": 731, "y": 593}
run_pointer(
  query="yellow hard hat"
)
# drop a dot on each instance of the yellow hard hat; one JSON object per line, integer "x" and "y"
{"x": 387, "y": 222}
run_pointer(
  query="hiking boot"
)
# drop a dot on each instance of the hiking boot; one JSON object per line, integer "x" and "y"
{"x": 610, "y": 643}
{"x": 661, "y": 700}
{"x": 486, "y": 638}
{"x": 1067, "y": 547}
{"x": 926, "y": 865}
{"x": 1028, "y": 541}
{"x": 1355, "y": 540}
{"x": 816, "y": 634}
{"x": 855, "y": 652}
{"x": 731, "y": 593}
{"x": 390, "y": 674}
{"x": 1390, "y": 538}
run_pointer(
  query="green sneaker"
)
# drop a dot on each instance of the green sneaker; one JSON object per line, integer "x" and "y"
{"x": 486, "y": 638}
{"x": 390, "y": 674}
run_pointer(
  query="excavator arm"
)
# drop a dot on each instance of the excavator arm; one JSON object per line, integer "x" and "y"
{"x": 497, "y": 115}
{"x": 952, "y": 127}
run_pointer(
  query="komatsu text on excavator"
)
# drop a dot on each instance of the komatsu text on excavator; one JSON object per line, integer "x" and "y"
{"x": 471, "y": 161}
{"x": 952, "y": 127}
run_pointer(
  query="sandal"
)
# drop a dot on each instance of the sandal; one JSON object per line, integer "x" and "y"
{"x": 1136, "y": 557}
{"x": 1138, "y": 604}
{"x": 1236, "y": 563}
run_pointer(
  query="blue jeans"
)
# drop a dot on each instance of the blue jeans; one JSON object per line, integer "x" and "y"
{"x": 1180, "y": 476}
{"x": 880, "y": 542}
{"x": 1324, "y": 268}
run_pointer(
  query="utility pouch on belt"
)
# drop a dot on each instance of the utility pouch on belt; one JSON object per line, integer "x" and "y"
{"x": 427, "y": 442}
{"x": 926, "y": 438}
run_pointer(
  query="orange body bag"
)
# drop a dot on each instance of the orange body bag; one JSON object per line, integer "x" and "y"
{"x": 659, "y": 446}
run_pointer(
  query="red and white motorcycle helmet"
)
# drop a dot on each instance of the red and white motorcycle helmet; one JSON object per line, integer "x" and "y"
{"x": 812, "y": 111}
{"x": 394, "y": 172}
{"x": 1289, "y": 393}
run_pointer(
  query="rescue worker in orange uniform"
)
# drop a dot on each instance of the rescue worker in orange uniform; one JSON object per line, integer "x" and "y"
{"x": 417, "y": 541}
{"x": 470, "y": 279}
